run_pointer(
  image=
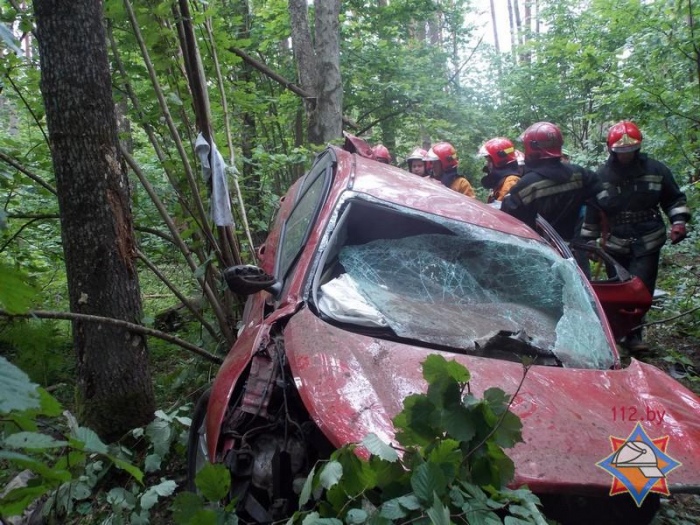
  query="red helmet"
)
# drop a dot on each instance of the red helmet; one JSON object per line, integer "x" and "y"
{"x": 542, "y": 140}
{"x": 445, "y": 153}
{"x": 624, "y": 137}
{"x": 417, "y": 154}
{"x": 381, "y": 154}
{"x": 500, "y": 150}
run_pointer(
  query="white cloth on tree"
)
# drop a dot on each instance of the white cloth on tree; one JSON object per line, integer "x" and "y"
{"x": 216, "y": 171}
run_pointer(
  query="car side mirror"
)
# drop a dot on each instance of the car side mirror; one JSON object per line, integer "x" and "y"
{"x": 246, "y": 279}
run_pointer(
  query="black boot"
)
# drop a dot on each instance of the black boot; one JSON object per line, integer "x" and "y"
{"x": 634, "y": 342}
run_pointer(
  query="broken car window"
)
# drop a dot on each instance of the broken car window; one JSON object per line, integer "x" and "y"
{"x": 463, "y": 290}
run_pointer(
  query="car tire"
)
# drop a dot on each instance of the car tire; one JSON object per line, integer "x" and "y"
{"x": 196, "y": 442}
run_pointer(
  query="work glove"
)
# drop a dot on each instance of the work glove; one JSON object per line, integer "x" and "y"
{"x": 678, "y": 232}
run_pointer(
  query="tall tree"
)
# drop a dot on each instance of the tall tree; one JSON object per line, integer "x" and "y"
{"x": 494, "y": 23}
{"x": 115, "y": 391}
{"x": 318, "y": 63}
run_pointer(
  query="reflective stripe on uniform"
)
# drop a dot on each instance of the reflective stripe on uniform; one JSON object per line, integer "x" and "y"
{"x": 547, "y": 188}
{"x": 590, "y": 230}
{"x": 678, "y": 210}
{"x": 650, "y": 178}
{"x": 651, "y": 241}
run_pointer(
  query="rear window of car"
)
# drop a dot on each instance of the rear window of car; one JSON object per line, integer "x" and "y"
{"x": 301, "y": 219}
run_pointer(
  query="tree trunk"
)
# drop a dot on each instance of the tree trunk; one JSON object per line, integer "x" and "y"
{"x": 513, "y": 30}
{"x": 518, "y": 23}
{"x": 494, "y": 22}
{"x": 318, "y": 64}
{"x": 115, "y": 392}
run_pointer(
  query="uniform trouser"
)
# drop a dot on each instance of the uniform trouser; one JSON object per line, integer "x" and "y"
{"x": 646, "y": 267}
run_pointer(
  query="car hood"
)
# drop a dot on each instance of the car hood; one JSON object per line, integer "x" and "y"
{"x": 353, "y": 384}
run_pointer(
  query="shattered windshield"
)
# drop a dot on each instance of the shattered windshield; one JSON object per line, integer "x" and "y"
{"x": 466, "y": 290}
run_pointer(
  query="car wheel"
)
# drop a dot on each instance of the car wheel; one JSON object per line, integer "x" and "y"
{"x": 197, "y": 455}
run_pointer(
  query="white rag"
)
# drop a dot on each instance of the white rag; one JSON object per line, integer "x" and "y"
{"x": 216, "y": 170}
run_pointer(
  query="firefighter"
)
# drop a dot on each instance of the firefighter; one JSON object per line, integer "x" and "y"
{"x": 549, "y": 187}
{"x": 444, "y": 162}
{"x": 635, "y": 189}
{"x": 502, "y": 171}
{"x": 381, "y": 154}
{"x": 416, "y": 162}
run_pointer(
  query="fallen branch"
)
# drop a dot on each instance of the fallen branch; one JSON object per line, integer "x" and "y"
{"x": 661, "y": 321}
{"x": 132, "y": 327}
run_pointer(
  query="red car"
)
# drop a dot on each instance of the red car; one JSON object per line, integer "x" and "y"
{"x": 367, "y": 270}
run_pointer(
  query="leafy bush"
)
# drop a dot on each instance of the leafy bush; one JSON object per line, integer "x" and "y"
{"x": 450, "y": 466}
{"x": 69, "y": 468}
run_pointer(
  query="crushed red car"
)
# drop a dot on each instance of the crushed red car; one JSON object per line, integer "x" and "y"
{"x": 367, "y": 270}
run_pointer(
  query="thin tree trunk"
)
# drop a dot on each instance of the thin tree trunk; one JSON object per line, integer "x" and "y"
{"x": 518, "y": 22}
{"x": 115, "y": 392}
{"x": 494, "y": 22}
{"x": 513, "y": 30}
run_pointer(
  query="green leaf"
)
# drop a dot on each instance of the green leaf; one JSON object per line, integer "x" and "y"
{"x": 202, "y": 268}
{"x": 15, "y": 294}
{"x": 87, "y": 439}
{"x": 213, "y": 481}
{"x": 17, "y": 392}
{"x": 80, "y": 491}
{"x": 445, "y": 392}
{"x": 32, "y": 441}
{"x": 356, "y": 516}
{"x": 358, "y": 476}
{"x": 497, "y": 400}
{"x": 121, "y": 499}
{"x": 152, "y": 463}
{"x": 458, "y": 422}
{"x": 36, "y": 466}
{"x": 139, "y": 518}
{"x": 427, "y": 480}
{"x": 439, "y": 514}
{"x": 186, "y": 507}
{"x": 410, "y": 502}
{"x": 509, "y": 431}
{"x": 14, "y": 502}
{"x": 446, "y": 451}
{"x": 331, "y": 474}
{"x": 307, "y": 489}
{"x": 313, "y": 518}
{"x": 160, "y": 434}
{"x": 436, "y": 367}
{"x": 25, "y": 420}
{"x": 49, "y": 405}
{"x": 519, "y": 510}
{"x": 386, "y": 474}
{"x": 511, "y": 520}
{"x": 392, "y": 510}
{"x": 128, "y": 467}
{"x": 377, "y": 447}
{"x": 418, "y": 422}
{"x": 150, "y": 497}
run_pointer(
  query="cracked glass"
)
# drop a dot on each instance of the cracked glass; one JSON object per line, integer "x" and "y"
{"x": 475, "y": 289}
